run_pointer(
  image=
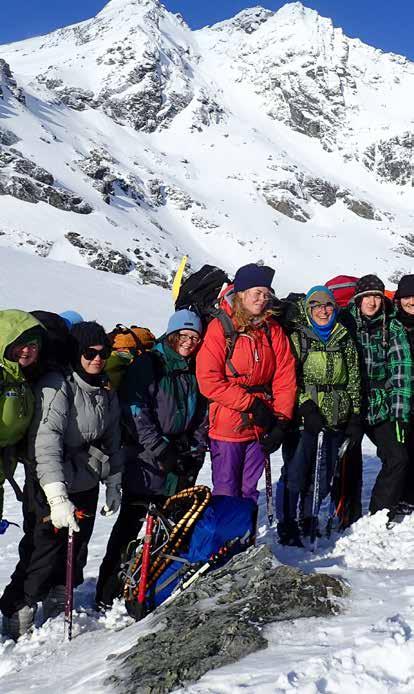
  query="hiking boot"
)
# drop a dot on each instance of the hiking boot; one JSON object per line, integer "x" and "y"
{"x": 19, "y": 623}
{"x": 54, "y": 602}
{"x": 289, "y": 534}
{"x": 306, "y": 527}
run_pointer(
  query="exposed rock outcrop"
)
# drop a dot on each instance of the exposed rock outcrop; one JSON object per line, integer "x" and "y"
{"x": 220, "y": 620}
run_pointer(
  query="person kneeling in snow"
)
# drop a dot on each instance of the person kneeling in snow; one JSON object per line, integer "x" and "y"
{"x": 74, "y": 443}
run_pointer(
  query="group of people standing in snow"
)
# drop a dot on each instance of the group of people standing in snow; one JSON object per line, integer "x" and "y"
{"x": 80, "y": 407}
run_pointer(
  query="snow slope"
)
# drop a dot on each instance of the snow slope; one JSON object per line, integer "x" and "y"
{"x": 369, "y": 648}
{"x": 269, "y": 136}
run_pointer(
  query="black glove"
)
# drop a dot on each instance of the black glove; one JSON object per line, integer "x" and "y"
{"x": 354, "y": 430}
{"x": 313, "y": 421}
{"x": 273, "y": 439}
{"x": 167, "y": 459}
{"x": 262, "y": 414}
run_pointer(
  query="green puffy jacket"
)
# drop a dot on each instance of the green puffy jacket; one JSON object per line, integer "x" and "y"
{"x": 328, "y": 373}
{"x": 16, "y": 398}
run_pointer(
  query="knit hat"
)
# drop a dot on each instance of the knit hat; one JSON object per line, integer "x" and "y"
{"x": 87, "y": 334}
{"x": 124, "y": 338}
{"x": 321, "y": 294}
{"x": 184, "y": 320}
{"x": 343, "y": 288}
{"x": 405, "y": 287}
{"x": 367, "y": 285}
{"x": 71, "y": 318}
{"x": 253, "y": 275}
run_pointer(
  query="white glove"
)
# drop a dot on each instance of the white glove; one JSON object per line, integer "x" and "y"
{"x": 62, "y": 511}
{"x": 113, "y": 494}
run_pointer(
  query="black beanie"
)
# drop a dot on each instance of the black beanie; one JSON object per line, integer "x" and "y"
{"x": 86, "y": 334}
{"x": 369, "y": 284}
{"x": 405, "y": 287}
{"x": 253, "y": 275}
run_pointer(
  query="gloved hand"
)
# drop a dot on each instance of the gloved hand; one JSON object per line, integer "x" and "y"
{"x": 313, "y": 421}
{"x": 168, "y": 459}
{"x": 273, "y": 439}
{"x": 354, "y": 431}
{"x": 401, "y": 431}
{"x": 262, "y": 414}
{"x": 62, "y": 511}
{"x": 113, "y": 494}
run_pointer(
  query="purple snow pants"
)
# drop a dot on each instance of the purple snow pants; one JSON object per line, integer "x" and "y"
{"x": 236, "y": 468}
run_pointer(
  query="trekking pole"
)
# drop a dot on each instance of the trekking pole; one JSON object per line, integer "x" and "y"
{"x": 70, "y": 568}
{"x": 333, "y": 510}
{"x": 316, "y": 483}
{"x": 69, "y": 586}
{"x": 269, "y": 491}
{"x": 145, "y": 562}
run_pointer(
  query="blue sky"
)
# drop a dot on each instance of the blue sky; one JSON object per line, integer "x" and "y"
{"x": 383, "y": 23}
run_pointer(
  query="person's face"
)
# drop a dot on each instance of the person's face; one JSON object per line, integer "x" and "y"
{"x": 26, "y": 354}
{"x": 370, "y": 305}
{"x": 322, "y": 313}
{"x": 187, "y": 342}
{"x": 407, "y": 304}
{"x": 255, "y": 300}
{"x": 93, "y": 359}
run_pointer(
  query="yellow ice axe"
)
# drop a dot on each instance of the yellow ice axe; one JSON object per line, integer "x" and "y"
{"x": 178, "y": 278}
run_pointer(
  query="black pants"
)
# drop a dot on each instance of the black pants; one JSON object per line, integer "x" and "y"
{"x": 389, "y": 485}
{"x": 127, "y": 526}
{"x": 42, "y": 550}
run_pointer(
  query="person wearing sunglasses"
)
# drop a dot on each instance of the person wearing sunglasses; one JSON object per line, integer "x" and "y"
{"x": 73, "y": 445}
{"x": 329, "y": 399}
{"x": 165, "y": 436}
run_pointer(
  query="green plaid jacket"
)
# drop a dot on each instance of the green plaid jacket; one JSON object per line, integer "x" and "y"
{"x": 386, "y": 372}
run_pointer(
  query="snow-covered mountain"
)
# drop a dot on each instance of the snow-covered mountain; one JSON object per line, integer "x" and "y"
{"x": 128, "y": 140}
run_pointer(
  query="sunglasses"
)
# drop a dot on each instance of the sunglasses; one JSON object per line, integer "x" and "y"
{"x": 90, "y": 353}
{"x": 194, "y": 339}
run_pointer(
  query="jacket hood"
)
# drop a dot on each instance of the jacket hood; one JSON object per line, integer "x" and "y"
{"x": 12, "y": 324}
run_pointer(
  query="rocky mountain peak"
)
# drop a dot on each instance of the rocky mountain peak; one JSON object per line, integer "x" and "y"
{"x": 247, "y": 21}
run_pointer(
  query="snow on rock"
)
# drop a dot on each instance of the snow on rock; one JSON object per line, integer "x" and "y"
{"x": 278, "y": 127}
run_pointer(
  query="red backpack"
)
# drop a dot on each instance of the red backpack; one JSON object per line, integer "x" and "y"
{"x": 343, "y": 288}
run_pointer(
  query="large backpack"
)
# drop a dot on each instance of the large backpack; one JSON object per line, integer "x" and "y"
{"x": 200, "y": 291}
{"x": 192, "y": 531}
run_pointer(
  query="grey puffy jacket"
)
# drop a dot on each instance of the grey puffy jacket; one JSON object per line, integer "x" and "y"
{"x": 75, "y": 433}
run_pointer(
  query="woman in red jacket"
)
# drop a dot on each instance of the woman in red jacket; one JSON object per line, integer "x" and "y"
{"x": 252, "y": 390}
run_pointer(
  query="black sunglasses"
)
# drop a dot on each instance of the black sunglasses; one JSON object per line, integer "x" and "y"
{"x": 90, "y": 353}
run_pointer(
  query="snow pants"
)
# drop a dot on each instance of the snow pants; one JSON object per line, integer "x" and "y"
{"x": 236, "y": 468}
{"x": 42, "y": 550}
{"x": 297, "y": 477}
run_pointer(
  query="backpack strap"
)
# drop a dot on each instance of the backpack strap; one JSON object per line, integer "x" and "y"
{"x": 231, "y": 335}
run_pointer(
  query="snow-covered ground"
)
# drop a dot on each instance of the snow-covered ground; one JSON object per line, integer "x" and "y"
{"x": 368, "y": 648}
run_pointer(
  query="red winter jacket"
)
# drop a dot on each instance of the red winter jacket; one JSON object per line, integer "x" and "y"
{"x": 260, "y": 359}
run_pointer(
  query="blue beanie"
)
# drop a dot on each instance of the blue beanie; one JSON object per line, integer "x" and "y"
{"x": 253, "y": 275}
{"x": 184, "y": 320}
{"x": 319, "y": 293}
{"x": 71, "y": 318}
